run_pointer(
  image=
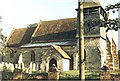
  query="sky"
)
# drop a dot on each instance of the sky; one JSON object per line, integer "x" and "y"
{"x": 21, "y": 13}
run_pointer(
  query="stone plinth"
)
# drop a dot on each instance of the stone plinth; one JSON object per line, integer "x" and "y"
{"x": 104, "y": 75}
{"x": 17, "y": 74}
{"x": 53, "y": 73}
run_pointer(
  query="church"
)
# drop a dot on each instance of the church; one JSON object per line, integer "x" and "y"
{"x": 55, "y": 42}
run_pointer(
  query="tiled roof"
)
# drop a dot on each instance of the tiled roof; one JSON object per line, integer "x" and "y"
{"x": 55, "y": 29}
{"x": 20, "y": 36}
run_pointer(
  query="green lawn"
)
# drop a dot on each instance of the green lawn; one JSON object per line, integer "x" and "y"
{"x": 89, "y": 75}
{"x": 74, "y": 74}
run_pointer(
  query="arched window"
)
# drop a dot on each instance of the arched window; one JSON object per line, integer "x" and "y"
{"x": 1, "y": 58}
{"x": 84, "y": 55}
{"x": 32, "y": 56}
{"x": 11, "y": 53}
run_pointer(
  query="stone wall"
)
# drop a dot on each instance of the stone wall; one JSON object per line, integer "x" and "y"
{"x": 48, "y": 55}
{"x": 93, "y": 59}
{"x": 93, "y": 56}
{"x": 109, "y": 59}
{"x": 92, "y": 41}
{"x": 115, "y": 56}
{"x": 91, "y": 29}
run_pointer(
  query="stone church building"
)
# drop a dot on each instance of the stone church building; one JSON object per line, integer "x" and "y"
{"x": 55, "y": 42}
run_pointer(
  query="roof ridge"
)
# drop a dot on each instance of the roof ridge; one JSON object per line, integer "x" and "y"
{"x": 37, "y": 28}
{"x": 22, "y": 28}
{"x": 59, "y": 19}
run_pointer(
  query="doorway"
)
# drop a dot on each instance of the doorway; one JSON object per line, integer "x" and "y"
{"x": 52, "y": 61}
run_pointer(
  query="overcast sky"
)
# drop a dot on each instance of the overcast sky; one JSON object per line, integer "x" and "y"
{"x": 21, "y": 13}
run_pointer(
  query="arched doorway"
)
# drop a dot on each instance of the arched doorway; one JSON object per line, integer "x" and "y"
{"x": 52, "y": 61}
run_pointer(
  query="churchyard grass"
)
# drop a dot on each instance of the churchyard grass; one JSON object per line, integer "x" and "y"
{"x": 89, "y": 74}
{"x": 74, "y": 74}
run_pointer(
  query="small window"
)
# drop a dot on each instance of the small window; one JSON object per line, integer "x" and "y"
{"x": 1, "y": 58}
{"x": 84, "y": 55}
{"x": 32, "y": 56}
{"x": 11, "y": 53}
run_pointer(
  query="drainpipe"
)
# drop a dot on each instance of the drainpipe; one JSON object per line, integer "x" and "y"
{"x": 80, "y": 41}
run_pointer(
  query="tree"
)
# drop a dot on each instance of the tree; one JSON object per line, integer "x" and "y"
{"x": 115, "y": 23}
{"x": 111, "y": 7}
{"x": 109, "y": 23}
{"x": 0, "y": 19}
{"x": 32, "y": 25}
{"x": 4, "y": 51}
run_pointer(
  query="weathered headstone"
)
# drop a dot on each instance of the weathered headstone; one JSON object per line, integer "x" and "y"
{"x": 34, "y": 67}
{"x": 29, "y": 70}
{"x": 20, "y": 62}
{"x": 11, "y": 67}
{"x": 16, "y": 65}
